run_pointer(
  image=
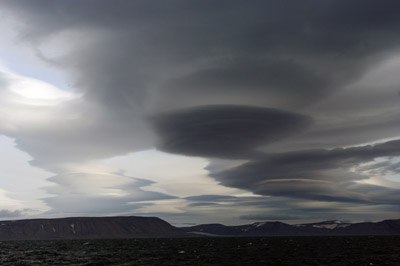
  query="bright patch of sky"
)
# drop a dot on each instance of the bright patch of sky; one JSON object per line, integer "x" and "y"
{"x": 173, "y": 174}
{"x": 378, "y": 175}
{"x": 34, "y": 91}
{"x": 19, "y": 57}
{"x": 394, "y": 175}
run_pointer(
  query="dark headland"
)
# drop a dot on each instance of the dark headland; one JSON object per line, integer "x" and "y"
{"x": 88, "y": 228}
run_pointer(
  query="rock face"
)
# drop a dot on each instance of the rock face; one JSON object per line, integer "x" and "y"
{"x": 87, "y": 228}
{"x": 327, "y": 228}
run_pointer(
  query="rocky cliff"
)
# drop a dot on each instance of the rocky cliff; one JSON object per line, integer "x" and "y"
{"x": 87, "y": 228}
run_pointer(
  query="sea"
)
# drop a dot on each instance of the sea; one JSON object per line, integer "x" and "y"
{"x": 321, "y": 250}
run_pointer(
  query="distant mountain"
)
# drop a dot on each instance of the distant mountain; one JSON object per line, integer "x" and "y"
{"x": 326, "y": 228}
{"x": 141, "y": 227}
{"x": 87, "y": 228}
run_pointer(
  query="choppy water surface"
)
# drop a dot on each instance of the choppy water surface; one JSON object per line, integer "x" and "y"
{"x": 206, "y": 251}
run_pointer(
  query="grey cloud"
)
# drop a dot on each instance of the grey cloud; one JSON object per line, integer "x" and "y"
{"x": 225, "y": 131}
{"x": 268, "y": 81}
{"x": 203, "y": 204}
{"x": 297, "y": 210}
{"x": 77, "y": 142}
{"x": 77, "y": 206}
{"x": 140, "y": 58}
{"x": 356, "y": 130}
{"x": 210, "y": 198}
{"x": 265, "y": 208}
{"x": 315, "y": 174}
{"x": 148, "y": 56}
{"x": 237, "y": 201}
{"x": 72, "y": 131}
{"x": 306, "y": 54}
{"x": 267, "y": 217}
{"x": 12, "y": 214}
{"x": 87, "y": 193}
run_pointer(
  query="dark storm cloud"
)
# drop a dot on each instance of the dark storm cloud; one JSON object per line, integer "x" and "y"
{"x": 139, "y": 57}
{"x": 286, "y": 55}
{"x": 225, "y": 131}
{"x": 257, "y": 77}
{"x": 324, "y": 175}
{"x": 295, "y": 51}
{"x": 132, "y": 59}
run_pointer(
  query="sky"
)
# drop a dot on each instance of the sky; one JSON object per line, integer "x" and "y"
{"x": 200, "y": 111}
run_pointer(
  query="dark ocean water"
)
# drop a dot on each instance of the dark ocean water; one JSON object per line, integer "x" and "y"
{"x": 206, "y": 251}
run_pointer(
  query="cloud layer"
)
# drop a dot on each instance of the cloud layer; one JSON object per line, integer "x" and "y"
{"x": 324, "y": 175}
{"x": 297, "y": 90}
